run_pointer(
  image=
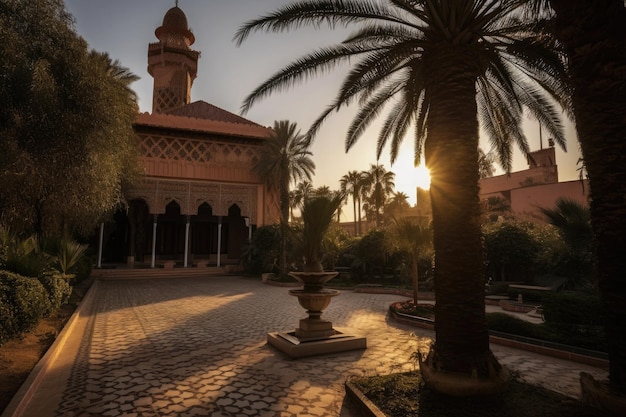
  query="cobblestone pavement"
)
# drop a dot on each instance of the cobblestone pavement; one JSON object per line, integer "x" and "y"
{"x": 197, "y": 347}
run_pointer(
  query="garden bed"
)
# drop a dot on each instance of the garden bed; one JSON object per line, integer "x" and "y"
{"x": 403, "y": 395}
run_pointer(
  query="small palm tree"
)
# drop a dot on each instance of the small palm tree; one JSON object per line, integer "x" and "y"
{"x": 284, "y": 158}
{"x": 573, "y": 220}
{"x": 413, "y": 237}
{"x": 317, "y": 215}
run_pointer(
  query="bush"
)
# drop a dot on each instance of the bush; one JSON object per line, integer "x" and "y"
{"x": 528, "y": 294}
{"x": 27, "y": 302}
{"x": 505, "y": 323}
{"x": 58, "y": 290}
{"x": 82, "y": 269}
{"x": 573, "y": 308}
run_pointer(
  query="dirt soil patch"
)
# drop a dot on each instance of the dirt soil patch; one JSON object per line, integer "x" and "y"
{"x": 19, "y": 356}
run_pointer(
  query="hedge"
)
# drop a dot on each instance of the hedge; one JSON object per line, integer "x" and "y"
{"x": 23, "y": 302}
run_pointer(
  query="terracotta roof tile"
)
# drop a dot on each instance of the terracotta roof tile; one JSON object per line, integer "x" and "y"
{"x": 201, "y": 116}
{"x": 203, "y": 110}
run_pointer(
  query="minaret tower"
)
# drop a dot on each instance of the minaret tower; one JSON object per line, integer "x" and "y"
{"x": 172, "y": 63}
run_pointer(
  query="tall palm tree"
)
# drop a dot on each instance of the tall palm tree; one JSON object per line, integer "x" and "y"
{"x": 413, "y": 237}
{"x": 593, "y": 34}
{"x": 378, "y": 183}
{"x": 284, "y": 158}
{"x": 442, "y": 67}
{"x": 351, "y": 184}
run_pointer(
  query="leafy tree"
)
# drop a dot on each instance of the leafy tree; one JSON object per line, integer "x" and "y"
{"x": 510, "y": 252}
{"x": 414, "y": 237}
{"x": 284, "y": 158}
{"x": 352, "y": 185}
{"x": 378, "y": 185}
{"x": 593, "y": 34}
{"x": 65, "y": 123}
{"x": 442, "y": 66}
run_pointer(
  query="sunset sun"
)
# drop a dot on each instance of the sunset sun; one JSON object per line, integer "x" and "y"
{"x": 422, "y": 177}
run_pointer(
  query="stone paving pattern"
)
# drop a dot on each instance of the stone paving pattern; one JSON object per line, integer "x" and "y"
{"x": 197, "y": 347}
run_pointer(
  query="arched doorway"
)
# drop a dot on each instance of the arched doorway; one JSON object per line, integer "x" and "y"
{"x": 170, "y": 241}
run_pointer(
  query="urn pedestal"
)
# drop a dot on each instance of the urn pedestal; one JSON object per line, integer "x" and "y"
{"x": 314, "y": 335}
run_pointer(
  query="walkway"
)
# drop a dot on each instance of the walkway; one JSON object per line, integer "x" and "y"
{"x": 196, "y": 347}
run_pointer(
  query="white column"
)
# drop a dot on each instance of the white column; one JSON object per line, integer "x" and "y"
{"x": 154, "y": 238}
{"x": 187, "y": 241}
{"x": 100, "y": 245}
{"x": 219, "y": 241}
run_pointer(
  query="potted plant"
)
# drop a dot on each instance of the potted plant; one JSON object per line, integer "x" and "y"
{"x": 317, "y": 216}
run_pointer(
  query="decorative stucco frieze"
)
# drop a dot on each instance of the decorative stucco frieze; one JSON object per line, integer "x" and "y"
{"x": 190, "y": 195}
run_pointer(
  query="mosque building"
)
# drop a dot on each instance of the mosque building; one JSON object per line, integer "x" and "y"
{"x": 198, "y": 200}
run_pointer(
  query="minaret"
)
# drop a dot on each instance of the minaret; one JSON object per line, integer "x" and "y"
{"x": 172, "y": 63}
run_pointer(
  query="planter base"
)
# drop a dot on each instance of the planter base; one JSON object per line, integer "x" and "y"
{"x": 294, "y": 347}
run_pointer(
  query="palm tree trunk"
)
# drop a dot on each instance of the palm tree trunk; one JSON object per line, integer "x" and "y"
{"x": 451, "y": 150}
{"x": 414, "y": 277}
{"x": 594, "y": 35}
{"x": 356, "y": 227}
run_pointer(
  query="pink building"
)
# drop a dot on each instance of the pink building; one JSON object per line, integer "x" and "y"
{"x": 537, "y": 186}
{"x": 198, "y": 199}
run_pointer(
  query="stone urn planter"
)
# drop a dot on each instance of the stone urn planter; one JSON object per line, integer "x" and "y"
{"x": 314, "y": 335}
{"x": 314, "y": 298}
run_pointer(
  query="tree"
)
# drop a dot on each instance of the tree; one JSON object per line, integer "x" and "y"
{"x": 378, "y": 184}
{"x": 397, "y": 205}
{"x": 573, "y": 221}
{"x": 284, "y": 158}
{"x": 65, "y": 123}
{"x": 352, "y": 184}
{"x": 593, "y": 35}
{"x": 442, "y": 67}
{"x": 414, "y": 237}
{"x": 485, "y": 164}
{"x": 300, "y": 194}
{"x": 317, "y": 215}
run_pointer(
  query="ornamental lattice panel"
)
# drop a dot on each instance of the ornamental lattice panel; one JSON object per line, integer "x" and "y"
{"x": 190, "y": 150}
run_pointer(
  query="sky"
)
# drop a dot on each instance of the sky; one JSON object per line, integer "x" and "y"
{"x": 227, "y": 74}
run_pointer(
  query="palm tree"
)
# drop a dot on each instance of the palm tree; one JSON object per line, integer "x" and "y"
{"x": 378, "y": 183}
{"x": 443, "y": 67}
{"x": 351, "y": 185}
{"x": 397, "y": 205}
{"x": 285, "y": 157}
{"x": 413, "y": 237}
{"x": 573, "y": 221}
{"x": 302, "y": 191}
{"x": 593, "y": 35}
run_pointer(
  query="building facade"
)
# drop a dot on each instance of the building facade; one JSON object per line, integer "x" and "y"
{"x": 198, "y": 199}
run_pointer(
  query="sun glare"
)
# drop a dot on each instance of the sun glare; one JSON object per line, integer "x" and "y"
{"x": 422, "y": 176}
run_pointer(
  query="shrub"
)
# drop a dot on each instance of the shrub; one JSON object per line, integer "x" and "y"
{"x": 505, "y": 323}
{"x": 27, "y": 301}
{"x": 58, "y": 290}
{"x": 573, "y": 308}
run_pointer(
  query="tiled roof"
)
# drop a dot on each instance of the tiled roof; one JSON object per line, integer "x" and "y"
{"x": 203, "y": 110}
{"x": 201, "y": 116}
